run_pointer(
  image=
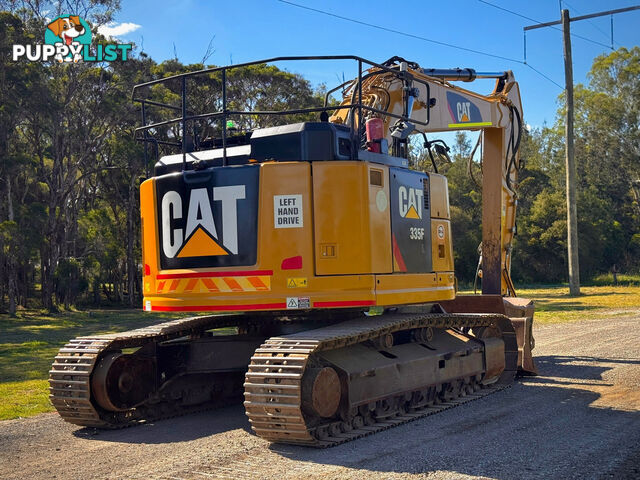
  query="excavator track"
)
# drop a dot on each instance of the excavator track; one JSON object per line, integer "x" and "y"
{"x": 274, "y": 381}
{"x": 70, "y": 374}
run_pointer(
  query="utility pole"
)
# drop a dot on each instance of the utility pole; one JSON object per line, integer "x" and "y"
{"x": 569, "y": 161}
{"x": 570, "y": 165}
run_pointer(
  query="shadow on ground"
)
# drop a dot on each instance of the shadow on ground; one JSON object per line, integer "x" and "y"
{"x": 179, "y": 429}
{"x": 544, "y": 306}
{"x": 565, "y": 294}
{"x": 542, "y": 427}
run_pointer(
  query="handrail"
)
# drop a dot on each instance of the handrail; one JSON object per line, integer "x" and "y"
{"x": 187, "y": 116}
{"x": 258, "y": 62}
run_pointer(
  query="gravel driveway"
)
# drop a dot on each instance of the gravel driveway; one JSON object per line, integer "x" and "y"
{"x": 579, "y": 419}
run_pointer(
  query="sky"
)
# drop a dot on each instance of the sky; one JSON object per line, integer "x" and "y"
{"x": 249, "y": 30}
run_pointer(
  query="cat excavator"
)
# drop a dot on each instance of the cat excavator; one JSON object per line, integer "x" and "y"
{"x": 319, "y": 259}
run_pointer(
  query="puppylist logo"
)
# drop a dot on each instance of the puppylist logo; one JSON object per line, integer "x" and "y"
{"x": 68, "y": 39}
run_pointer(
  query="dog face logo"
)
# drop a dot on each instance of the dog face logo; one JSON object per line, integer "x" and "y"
{"x": 67, "y": 28}
{"x": 68, "y": 39}
{"x": 70, "y": 30}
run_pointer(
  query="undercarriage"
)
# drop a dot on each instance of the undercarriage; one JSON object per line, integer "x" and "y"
{"x": 305, "y": 380}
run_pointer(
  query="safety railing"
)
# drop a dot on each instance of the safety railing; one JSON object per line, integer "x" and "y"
{"x": 186, "y": 115}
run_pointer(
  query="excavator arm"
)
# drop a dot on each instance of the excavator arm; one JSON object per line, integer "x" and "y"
{"x": 432, "y": 103}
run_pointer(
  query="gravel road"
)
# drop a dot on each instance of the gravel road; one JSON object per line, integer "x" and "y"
{"x": 579, "y": 419}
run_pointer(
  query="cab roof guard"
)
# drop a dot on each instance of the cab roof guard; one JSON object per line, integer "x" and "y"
{"x": 186, "y": 115}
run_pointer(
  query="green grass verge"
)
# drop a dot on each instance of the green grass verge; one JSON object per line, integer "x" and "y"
{"x": 606, "y": 279}
{"x": 24, "y": 398}
{"x": 29, "y": 342}
{"x": 553, "y": 304}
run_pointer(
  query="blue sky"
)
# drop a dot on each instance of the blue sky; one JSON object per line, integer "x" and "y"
{"x": 255, "y": 29}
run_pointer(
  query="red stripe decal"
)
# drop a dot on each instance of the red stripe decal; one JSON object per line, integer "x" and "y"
{"x": 221, "y": 308}
{"x": 453, "y": 117}
{"x": 191, "y": 285}
{"x": 347, "y": 303}
{"x": 233, "y": 285}
{"x": 210, "y": 285}
{"x": 398, "y": 255}
{"x": 163, "y": 276}
{"x": 257, "y": 283}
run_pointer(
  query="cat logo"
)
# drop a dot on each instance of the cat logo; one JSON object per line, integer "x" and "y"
{"x": 464, "y": 111}
{"x": 200, "y": 237}
{"x": 410, "y": 202}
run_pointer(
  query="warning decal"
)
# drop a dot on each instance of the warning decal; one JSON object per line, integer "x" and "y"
{"x": 298, "y": 302}
{"x": 297, "y": 282}
{"x": 232, "y": 283}
{"x": 287, "y": 211}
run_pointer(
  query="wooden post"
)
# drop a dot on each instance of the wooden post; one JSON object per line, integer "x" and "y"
{"x": 570, "y": 165}
{"x": 492, "y": 211}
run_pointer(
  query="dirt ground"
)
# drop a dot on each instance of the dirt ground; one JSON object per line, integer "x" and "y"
{"x": 579, "y": 419}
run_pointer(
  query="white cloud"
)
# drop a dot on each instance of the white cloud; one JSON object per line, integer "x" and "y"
{"x": 113, "y": 29}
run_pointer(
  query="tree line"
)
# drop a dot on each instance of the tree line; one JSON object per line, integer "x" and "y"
{"x": 70, "y": 168}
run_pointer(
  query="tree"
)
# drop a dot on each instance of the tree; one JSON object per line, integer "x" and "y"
{"x": 17, "y": 82}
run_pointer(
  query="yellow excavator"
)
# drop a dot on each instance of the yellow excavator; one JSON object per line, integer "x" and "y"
{"x": 324, "y": 260}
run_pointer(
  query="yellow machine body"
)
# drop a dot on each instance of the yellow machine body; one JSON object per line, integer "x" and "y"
{"x": 340, "y": 255}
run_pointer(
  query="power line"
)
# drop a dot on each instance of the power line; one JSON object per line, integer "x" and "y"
{"x": 538, "y": 21}
{"x": 543, "y": 75}
{"x": 593, "y": 24}
{"x": 410, "y": 35}
{"x": 416, "y": 37}
{"x": 508, "y": 11}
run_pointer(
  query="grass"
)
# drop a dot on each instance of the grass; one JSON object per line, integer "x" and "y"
{"x": 24, "y": 398}
{"x": 29, "y": 342}
{"x": 623, "y": 279}
{"x": 553, "y": 304}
